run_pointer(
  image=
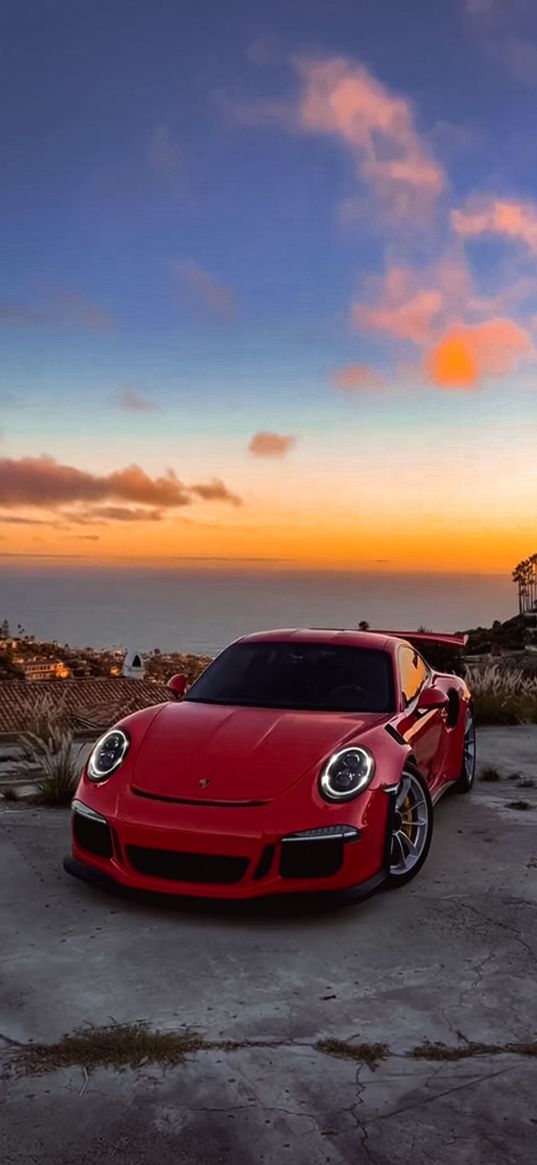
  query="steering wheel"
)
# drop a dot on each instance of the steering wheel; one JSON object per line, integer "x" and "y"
{"x": 346, "y": 690}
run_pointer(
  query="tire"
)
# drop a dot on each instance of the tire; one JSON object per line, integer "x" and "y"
{"x": 466, "y": 778}
{"x": 411, "y": 827}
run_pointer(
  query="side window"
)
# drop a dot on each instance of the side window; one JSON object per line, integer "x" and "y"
{"x": 413, "y": 672}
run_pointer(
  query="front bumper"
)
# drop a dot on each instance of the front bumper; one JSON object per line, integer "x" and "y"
{"x": 231, "y": 854}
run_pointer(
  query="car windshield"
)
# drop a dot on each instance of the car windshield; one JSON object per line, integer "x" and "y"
{"x": 307, "y": 676}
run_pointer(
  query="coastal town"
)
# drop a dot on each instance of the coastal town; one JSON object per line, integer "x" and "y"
{"x": 25, "y": 658}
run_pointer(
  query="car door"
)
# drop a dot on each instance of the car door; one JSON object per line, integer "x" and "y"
{"x": 424, "y": 731}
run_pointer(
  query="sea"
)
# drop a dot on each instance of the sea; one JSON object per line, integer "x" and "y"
{"x": 201, "y": 610}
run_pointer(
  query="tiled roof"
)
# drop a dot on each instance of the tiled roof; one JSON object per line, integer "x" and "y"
{"x": 91, "y": 704}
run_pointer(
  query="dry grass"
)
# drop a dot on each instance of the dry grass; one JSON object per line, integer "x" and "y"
{"x": 465, "y": 1051}
{"x": 370, "y": 1054}
{"x": 9, "y": 793}
{"x": 117, "y": 1046}
{"x": 490, "y": 775}
{"x": 47, "y": 746}
{"x": 503, "y": 695}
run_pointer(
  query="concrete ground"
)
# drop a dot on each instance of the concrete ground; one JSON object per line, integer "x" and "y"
{"x": 448, "y": 959}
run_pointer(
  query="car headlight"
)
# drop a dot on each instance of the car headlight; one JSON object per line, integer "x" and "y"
{"x": 108, "y": 754}
{"x": 346, "y": 774}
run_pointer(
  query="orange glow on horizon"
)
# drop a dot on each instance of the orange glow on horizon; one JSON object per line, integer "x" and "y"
{"x": 382, "y": 544}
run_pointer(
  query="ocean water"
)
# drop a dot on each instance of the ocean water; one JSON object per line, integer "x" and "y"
{"x": 202, "y": 611}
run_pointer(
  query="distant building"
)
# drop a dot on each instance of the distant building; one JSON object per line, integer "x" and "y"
{"x": 43, "y": 669}
{"x": 133, "y": 666}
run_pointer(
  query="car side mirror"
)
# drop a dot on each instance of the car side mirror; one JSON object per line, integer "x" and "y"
{"x": 178, "y": 685}
{"x": 431, "y": 698}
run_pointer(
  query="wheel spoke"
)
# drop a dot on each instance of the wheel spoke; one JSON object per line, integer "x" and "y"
{"x": 407, "y": 843}
{"x": 397, "y": 838}
{"x": 403, "y": 792}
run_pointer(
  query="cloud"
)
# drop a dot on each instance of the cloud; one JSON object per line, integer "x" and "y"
{"x": 345, "y": 100}
{"x": 100, "y": 514}
{"x": 514, "y": 220}
{"x": 68, "y": 308}
{"x": 356, "y": 377}
{"x": 403, "y": 308}
{"x": 44, "y": 483}
{"x": 164, "y": 157}
{"x": 133, "y": 402}
{"x": 15, "y": 520}
{"x": 466, "y": 355}
{"x": 216, "y": 491}
{"x": 203, "y": 286}
{"x": 271, "y": 444}
{"x": 341, "y": 98}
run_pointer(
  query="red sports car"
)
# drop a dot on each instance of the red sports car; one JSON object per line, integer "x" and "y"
{"x": 299, "y": 761}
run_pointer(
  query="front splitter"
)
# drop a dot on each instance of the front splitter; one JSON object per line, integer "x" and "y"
{"x": 304, "y": 901}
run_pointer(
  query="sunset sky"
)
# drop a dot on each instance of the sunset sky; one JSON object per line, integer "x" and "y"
{"x": 268, "y": 290}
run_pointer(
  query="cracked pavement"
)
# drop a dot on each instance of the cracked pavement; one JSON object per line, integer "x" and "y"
{"x": 449, "y": 958}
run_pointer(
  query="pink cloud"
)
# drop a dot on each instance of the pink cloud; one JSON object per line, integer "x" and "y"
{"x": 414, "y": 304}
{"x": 356, "y": 377}
{"x": 403, "y": 309}
{"x": 204, "y": 286}
{"x": 512, "y": 219}
{"x": 345, "y": 100}
{"x": 466, "y": 355}
{"x": 270, "y": 444}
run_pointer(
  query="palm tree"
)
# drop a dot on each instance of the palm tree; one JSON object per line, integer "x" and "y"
{"x": 532, "y": 560}
{"x": 517, "y": 578}
{"x": 525, "y": 576}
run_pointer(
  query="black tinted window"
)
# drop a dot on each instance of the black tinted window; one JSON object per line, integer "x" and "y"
{"x": 299, "y": 675}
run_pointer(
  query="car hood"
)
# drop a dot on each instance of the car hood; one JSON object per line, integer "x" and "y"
{"x": 209, "y": 752}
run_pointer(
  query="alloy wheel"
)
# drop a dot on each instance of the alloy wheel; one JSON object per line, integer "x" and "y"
{"x": 411, "y": 826}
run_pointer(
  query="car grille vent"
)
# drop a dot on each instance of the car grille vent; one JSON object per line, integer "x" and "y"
{"x": 93, "y": 836}
{"x": 187, "y": 867}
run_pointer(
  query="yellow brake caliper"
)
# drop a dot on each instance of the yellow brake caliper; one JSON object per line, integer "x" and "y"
{"x": 407, "y": 826}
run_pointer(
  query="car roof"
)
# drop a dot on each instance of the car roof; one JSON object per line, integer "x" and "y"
{"x": 324, "y": 635}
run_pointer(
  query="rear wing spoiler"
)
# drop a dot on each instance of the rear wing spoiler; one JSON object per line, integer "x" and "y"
{"x": 427, "y": 637}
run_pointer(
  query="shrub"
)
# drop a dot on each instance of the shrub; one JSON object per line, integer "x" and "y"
{"x": 47, "y": 745}
{"x": 9, "y": 793}
{"x": 502, "y": 695}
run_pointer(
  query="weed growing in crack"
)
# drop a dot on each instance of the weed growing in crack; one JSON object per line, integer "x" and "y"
{"x": 117, "y": 1046}
{"x": 370, "y": 1054}
{"x": 428, "y": 1051}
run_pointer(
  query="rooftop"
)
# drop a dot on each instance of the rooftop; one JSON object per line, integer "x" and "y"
{"x": 92, "y": 705}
